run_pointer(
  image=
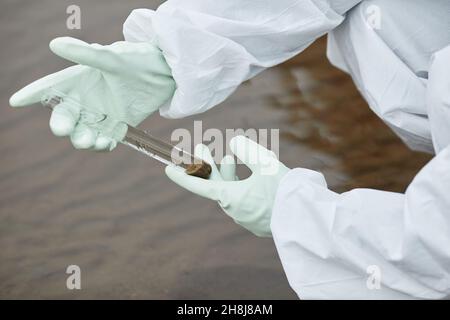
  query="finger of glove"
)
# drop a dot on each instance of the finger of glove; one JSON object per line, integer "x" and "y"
{"x": 63, "y": 81}
{"x": 64, "y": 119}
{"x": 103, "y": 143}
{"x": 83, "y": 137}
{"x": 251, "y": 153}
{"x": 228, "y": 168}
{"x": 201, "y": 151}
{"x": 210, "y": 189}
{"x": 77, "y": 51}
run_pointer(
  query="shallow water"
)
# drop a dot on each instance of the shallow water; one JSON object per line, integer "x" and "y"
{"x": 134, "y": 233}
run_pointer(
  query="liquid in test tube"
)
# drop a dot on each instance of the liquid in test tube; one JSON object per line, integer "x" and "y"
{"x": 135, "y": 138}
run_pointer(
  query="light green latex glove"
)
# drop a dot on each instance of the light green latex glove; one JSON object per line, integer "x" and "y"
{"x": 249, "y": 202}
{"x": 127, "y": 81}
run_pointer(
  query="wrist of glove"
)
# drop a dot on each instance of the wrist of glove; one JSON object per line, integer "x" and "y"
{"x": 248, "y": 202}
{"x": 126, "y": 81}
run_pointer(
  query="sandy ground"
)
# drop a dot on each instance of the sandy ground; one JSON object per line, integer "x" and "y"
{"x": 134, "y": 233}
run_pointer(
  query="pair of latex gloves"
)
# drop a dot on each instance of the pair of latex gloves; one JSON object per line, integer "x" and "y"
{"x": 128, "y": 82}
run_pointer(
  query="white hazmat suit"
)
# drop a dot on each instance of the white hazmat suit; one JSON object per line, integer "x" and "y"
{"x": 400, "y": 61}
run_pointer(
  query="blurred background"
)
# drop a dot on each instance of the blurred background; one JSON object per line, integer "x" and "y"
{"x": 135, "y": 234}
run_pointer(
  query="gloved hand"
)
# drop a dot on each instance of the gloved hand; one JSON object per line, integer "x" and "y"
{"x": 126, "y": 81}
{"x": 249, "y": 202}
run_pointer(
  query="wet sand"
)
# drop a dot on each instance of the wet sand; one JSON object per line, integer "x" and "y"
{"x": 135, "y": 234}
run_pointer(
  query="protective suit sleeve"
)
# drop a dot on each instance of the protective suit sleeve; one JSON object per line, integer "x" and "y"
{"x": 387, "y": 53}
{"x": 438, "y": 99}
{"x": 369, "y": 244}
{"x": 213, "y": 46}
{"x": 366, "y": 244}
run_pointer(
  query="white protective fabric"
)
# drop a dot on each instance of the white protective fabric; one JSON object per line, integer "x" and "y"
{"x": 328, "y": 241}
{"x": 213, "y": 46}
{"x": 392, "y": 88}
{"x": 438, "y": 98}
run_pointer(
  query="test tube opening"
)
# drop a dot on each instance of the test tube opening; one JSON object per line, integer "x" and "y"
{"x": 138, "y": 140}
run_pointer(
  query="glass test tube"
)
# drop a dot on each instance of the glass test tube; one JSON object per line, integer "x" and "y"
{"x": 134, "y": 138}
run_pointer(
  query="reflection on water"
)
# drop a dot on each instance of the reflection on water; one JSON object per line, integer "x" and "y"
{"x": 328, "y": 115}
